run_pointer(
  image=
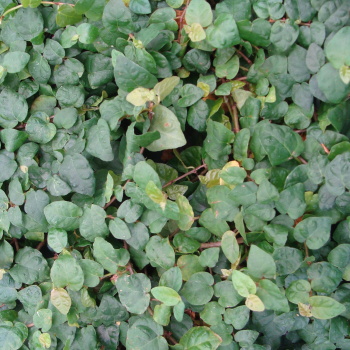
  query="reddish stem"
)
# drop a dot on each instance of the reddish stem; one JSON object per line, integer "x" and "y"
{"x": 184, "y": 175}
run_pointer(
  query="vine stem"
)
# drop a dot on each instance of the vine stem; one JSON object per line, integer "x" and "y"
{"x": 168, "y": 336}
{"x": 302, "y": 160}
{"x": 194, "y": 171}
{"x": 244, "y": 57}
{"x": 43, "y": 3}
{"x": 234, "y": 114}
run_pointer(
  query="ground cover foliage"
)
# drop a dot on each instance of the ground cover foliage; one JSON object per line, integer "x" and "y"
{"x": 174, "y": 175}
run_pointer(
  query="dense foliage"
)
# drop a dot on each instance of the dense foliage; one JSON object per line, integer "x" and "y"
{"x": 175, "y": 174}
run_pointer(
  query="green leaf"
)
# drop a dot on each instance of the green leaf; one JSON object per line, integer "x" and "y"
{"x": 162, "y": 314}
{"x": 325, "y": 308}
{"x": 237, "y": 316}
{"x": 39, "y": 68}
{"x": 260, "y": 264}
{"x": 82, "y": 6}
{"x": 15, "y": 61}
{"x": 61, "y": 300}
{"x": 64, "y": 215}
{"x": 160, "y": 252}
{"x": 315, "y": 58}
{"x": 13, "y": 107}
{"x": 287, "y": 259}
{"x": 109, "y": 257}
{"x": 200, "y": 337}
{"x": 28, "y": 23}
{"x": 336, "y": 52}
{"x": 140, "y": 7}
{"x": 230, "y": 246}
{"x": 165, "y": 87}
{"x": 39, "y": 130}
{"x": 223, "y": 32}
{"x": 292, "y": 201}
{"x": 314, "y": 230}
{"x": 13, "y": 139}
{"x": 87, "y": 33}
{"x": 8, "y": 167}
{"x": 134, "y": 291}
{"x": 198, "y": 114}
{"x": 278, "y": 142}
{"x": 324, "y": 277}
{"x": 129, "y": 75}
{"x": 186, "y": 213}
{"x": 10, "y": 337}
{"x": 336, "y": 175}
{"x": 66, "y": 272}
{"x": 174, "y": 3}
{"x": 190, "y": 94}
{"x": 212, "y": 313}
{"x": 43, "y": 319}
{"x": 77, "y": 172}
{"x": 272, "y": 297}
{"x": 283, "y": 35}
{"x": 67, "y": 15}
{"x": 257, "y": 32}
{"x": 166, "y": 295}
{"x": 31, "y": 3}
{"x": 165, "y": 122}
{"x": 119, "y": 229}
{"x": 243, "y": 284}
{"x": 143, "y": 173}
{"x": 57, "y": 239}
{"x": 6, "y": 256}
{"x": 298, "y": 291}
{"x": 331, "y": 85}
{"x": 92, "y": 270}
{"x": 199, "y": 11}
{"x": 171, "y": 278}
{"x": 214, "y": 224}
{"x": 92, "y": 223}
{"x": 197, "y": 290}
{"x": 30, "y": 266}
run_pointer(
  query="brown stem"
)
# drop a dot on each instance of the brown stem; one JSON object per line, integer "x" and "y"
{"x": 234, "y": 114}
{"x": 244, "y": 57}
{"x": 184, "y": 175}
{"x": 41, "y": 244}
{"x": 181, "y": 22}
{"x": 110, "y": 217}
{"x": 15, "y": 241}
{"x": 307, "y": 253}
{"x": 241, "y": 78}
{"x": 30, "y": 325}
{"x": 302, "y": 160}
{"x": 129, "y": 268}
{"x": 236, "y": 128}
{"x": 110, "y": 202}
{"x": 150, "y": 311}
{"x": 325, "y": 148}
{"x": 168, "y": 336}
{"x": 301, "y": 131}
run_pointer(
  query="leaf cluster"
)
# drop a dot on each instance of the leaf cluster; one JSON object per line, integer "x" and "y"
{"x": 174, "y": 174}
